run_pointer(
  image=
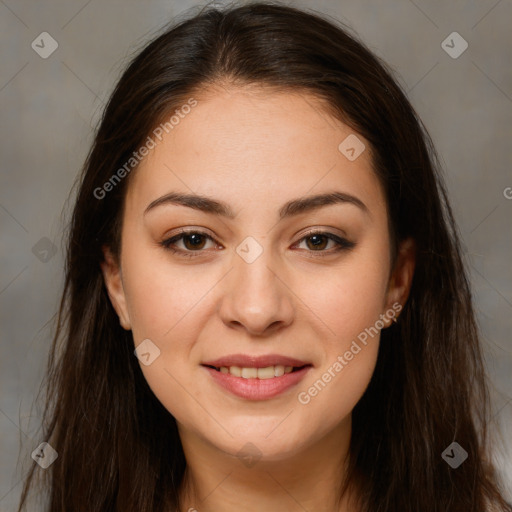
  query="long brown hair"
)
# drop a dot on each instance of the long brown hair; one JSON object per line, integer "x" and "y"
{"x": 118, "y": 447}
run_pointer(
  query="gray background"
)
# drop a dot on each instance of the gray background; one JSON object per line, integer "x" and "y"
{"x": 49, "y": 107}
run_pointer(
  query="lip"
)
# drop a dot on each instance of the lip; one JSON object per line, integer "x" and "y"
{"x": 246, "y": 361}
{"x": 256, "y": 389}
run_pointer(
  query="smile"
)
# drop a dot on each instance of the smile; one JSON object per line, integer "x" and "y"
{"x": 269, "y": 372}
{"x": 256, "y": 377}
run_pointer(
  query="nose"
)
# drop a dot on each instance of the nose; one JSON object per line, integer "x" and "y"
{"x": 256, "y": 298}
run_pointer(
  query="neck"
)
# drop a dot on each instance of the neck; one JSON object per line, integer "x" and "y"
{"x": 309, "y": 479}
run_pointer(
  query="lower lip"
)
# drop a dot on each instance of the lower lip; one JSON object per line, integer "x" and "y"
{"x": 257, "y": 389}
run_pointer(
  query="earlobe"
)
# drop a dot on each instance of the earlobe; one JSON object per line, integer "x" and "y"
{"x": 113, "y": 282}
{"x": 401, "y": 278}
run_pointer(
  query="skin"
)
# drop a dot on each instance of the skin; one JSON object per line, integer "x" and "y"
{"x": 255, "y": 150}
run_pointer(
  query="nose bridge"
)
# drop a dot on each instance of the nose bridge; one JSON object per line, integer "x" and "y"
{"x": 253, "y": 262}
{"x": 257, "y": 297}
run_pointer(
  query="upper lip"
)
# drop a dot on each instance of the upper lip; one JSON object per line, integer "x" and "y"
{"x": 247, "y": 361}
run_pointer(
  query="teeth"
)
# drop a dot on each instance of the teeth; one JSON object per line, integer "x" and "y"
{"x": 265, "y": 373}
{"x": 235, "y": 370}
{"x": 278, "y": 371}
{"x": 250, "y": 373}
{"x": 257, "y": 373}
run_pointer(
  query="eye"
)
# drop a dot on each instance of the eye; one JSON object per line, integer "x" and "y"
{"x": 194, "y": 242}
{"x": 319, "y": 239}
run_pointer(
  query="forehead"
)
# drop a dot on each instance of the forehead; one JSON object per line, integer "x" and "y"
{"x": 241, "y": 145}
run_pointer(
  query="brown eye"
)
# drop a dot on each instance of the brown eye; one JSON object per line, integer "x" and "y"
{"x": 318, "y": 241}
{"x": 193, "y": 242}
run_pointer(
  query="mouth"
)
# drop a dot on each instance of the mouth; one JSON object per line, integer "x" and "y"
{"x": 256, "y": 377}
{"x": 251, "y": 372}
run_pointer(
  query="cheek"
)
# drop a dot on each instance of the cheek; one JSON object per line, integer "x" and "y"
{"x": 165, "y": 309}
{"x": 350, "y": 304}
{"x": 331, "y": 396}
{"x": 166, "y": 303}
{"x": 161, "y": 296}
{"x": 348, "y": 297}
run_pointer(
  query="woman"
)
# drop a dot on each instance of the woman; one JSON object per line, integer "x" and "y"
{"x": 265, "y": 303}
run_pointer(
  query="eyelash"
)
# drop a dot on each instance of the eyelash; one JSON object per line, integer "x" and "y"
{"x": 343, "y": 244}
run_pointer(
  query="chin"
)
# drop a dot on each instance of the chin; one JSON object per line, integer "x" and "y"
{"x": 256, "y": 443}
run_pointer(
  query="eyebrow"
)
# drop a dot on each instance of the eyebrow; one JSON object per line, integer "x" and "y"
{"x": 289, "y": 209}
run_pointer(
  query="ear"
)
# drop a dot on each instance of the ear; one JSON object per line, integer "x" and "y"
{"x": 113, "y": 281}
{"x": 401, "y": 277}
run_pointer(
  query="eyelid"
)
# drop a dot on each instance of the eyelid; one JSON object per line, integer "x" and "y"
{"x": 341, "y": 242}
{"x": 167, "y": 243}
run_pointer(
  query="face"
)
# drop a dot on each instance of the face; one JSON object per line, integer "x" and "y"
{"x": 267, "y": 278}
